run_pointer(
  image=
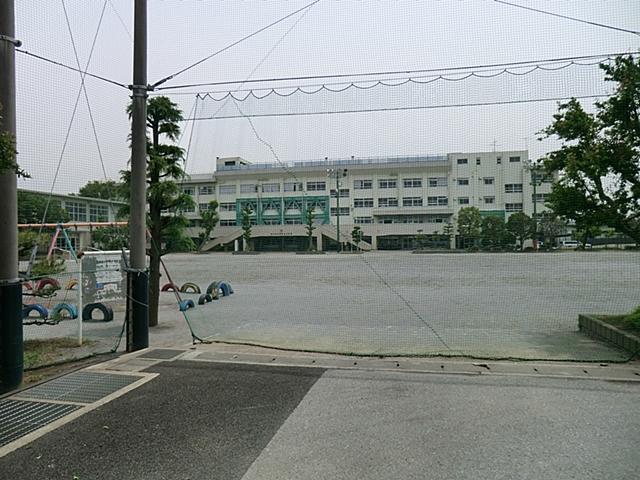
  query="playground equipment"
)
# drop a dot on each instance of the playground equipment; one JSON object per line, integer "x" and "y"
{"x": 70, "y": 308}
{"x": 107, "y": 311}
{"x": 204, "y": 298}
{"x": 170, "y": 287}
{"x": 186, "y": 305}
{"x": 190, "y": 286}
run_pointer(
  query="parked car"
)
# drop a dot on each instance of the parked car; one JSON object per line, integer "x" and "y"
{"x": 569, "y": 244}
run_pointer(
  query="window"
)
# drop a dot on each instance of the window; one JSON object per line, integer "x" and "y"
{"x": 206, "y": 190}
{"x": 271, "y": 221}
{"x": 488, "y": 180}
{"x": 388, "y": 202}
{"x": 77, "y": 211}
{"x": 463, "y": 181}
{"x": 489, "y": 200}
{"x": 98, "y": 213}
{"x": 293, "y": 187}
{"x": 227, "y": 189}
{"x": 540, "y": 197}
{"x": 514, "y": 159}
{"x": 229, "y": 163}
{"x": 363, "y": 184}
{"x": 316, "y": 186}
{"x": 437, "y": 201}
{"x": 293, "y": 221}
{"x": 463, "y": 200}
{"x": 513, "y": 207}
{"x": 188, "y": 190}
{"x": 362, "y": 220}
{"x": 463, "y": 161}
{"x": 412, "y": 201}
{"x": 228, "y": 207}
{"x": 270, "y": 187}
{"x": 344, "y": 211}
{"x": 541, "y": 178}
{"x": 188, "y": 209}
{"x": 248, "y": 188}
{"x": 387, "y": 183}
{"x": 344, "y": 193}
{"x": 499, "y": 160}
{"x": 412, "y": 183}
{"x": 363, "y": 203}
{"x": 437, "y": 219}
{"x": 227, "y": 223}
{"x": 437, "y": 181}
{"x": 512, "y": 188}
{"x": 203, "y": 207}
{"x": 478, "y": 161}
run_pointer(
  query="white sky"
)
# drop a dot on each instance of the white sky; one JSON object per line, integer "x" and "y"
{"x": 335, "y": 36}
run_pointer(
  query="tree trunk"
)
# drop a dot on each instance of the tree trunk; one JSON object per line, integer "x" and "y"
{"x": 154, "y": 286}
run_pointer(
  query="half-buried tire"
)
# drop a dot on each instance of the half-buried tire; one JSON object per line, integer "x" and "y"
{"x": 186, "y": 305}
{"x": 106, "y": 310}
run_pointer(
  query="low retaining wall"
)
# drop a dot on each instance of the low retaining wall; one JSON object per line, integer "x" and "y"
{"x": 603, "y": 331}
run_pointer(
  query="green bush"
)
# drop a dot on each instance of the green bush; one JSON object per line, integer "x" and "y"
{"x": 46, "y": 266}
{"x": 634, "y": 318}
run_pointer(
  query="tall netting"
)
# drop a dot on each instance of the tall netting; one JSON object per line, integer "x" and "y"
{"x": 407, "y": 136}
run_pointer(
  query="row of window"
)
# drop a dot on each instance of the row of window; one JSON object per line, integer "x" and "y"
{"x": 78, "y": 212}
{"x": 321, "y": 186}
{"x": 465, "y": 161}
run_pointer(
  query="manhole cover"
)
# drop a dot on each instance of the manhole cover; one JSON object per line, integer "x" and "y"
{"x": 19, "y": 417}
{"x": 83, "y": 387}
{"x": 162, "y": 354}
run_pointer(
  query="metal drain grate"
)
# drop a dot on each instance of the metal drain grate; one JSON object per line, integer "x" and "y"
{"x": 162, "y": 354}
{"x": 82, "y": 387}
{"x": 19, "y": 417}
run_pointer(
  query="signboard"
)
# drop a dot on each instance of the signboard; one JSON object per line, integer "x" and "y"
{"x": 103, "y": 277}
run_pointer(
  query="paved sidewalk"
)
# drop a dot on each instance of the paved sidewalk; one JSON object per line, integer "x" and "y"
{"x": 228, "y": 412}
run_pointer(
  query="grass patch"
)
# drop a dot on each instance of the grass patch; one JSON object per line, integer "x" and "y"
{"x": 42, "y": 352}
{"x": 628, "y": 323}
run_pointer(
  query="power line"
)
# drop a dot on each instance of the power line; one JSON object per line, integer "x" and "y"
{"x": 160, "y": 82}
{"x": 54, "y": 62}
{"x": 124, "y": 25}
{"x": 566, "y": 17}
{"x": 396, "y": 109}
{"x": 405, "y": 72}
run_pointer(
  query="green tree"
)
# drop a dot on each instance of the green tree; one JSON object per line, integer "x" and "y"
{"x": 309, "y": 217}
{"x": 521, "y": 226}
{"x": 27, "y": 239}
{"x": 469, "y": 226}
{"x": 494, "y": 232}
{"x": 447, "y": 232}
{"x": 8, "y": 153}
{"x": 550, "y": 226}
{"x": 356, "y": 236}
{"x": 32, "y": 207}
{"x": 246, "y": 227}
{"x": 599, "y": 161}
{"x": 165, "y": 167}
{"x": 421, "y": 239}
{"x": 209, "y": 220}
{"x": 110, "y": 238}
{"x": 106, "y": 190}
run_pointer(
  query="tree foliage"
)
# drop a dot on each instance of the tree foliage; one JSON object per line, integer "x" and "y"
{"x": 106, "y": 190}
{"x": 599, "y": 161}
{"x": 165, "y": 168}
{"x": 309, "y": 226}
{"x": 469, "y": 226}
{"x": 32, "y": 207}
{"x": 246, "y": 227}
{"x": 110, "y": 238}
{"x": 550, "y": 226}
{"x": 521, "y": 226}
{"x": 495, "y": 233}
{"x": 356, "y": 236}
{"x": 209, "y": 220}
{"x": 8, "y": 153}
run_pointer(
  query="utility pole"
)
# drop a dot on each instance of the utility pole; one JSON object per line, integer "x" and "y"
{"x": 534, "y": 183}
{"x": 138, "y": 279}
{"x": 11, "y": 340}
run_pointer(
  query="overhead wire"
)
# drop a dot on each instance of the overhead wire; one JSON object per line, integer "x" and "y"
{"x": 567, "y": 17}
{"x": 75, "y": 107}
{"x": 231, "y": 45}
{"x": 405, "y": 72}
{"x": 397, "y": 109}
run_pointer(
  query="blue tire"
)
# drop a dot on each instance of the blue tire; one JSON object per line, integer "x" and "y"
{"x": 225, "y": 288}
{"x": 204, "y": 298}
{"x": 70, "y": 308}
{"x": 43, "y": 313}
{"x": 186, "y": 305}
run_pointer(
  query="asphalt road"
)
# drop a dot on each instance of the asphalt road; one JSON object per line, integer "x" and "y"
{"x": 203, "y": 420}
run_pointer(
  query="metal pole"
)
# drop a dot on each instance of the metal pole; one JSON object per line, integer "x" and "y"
{"x": 139, "y": 290}
{"x": 535, "y": 210}
{"x": 338, "y": 210}
{"x": 11, "y": 336}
